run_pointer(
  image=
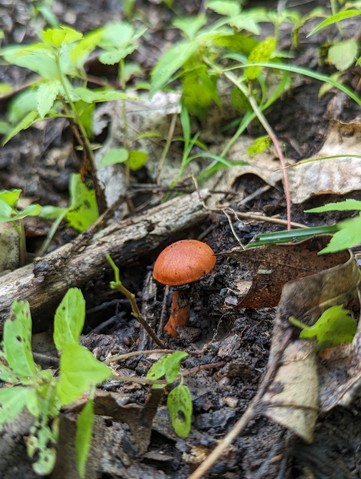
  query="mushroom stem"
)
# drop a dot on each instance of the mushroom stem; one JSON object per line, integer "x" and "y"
{"x": 179, "y": 312}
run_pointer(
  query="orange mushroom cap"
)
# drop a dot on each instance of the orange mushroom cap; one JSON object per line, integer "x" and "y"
{"x": 183, "y": 262}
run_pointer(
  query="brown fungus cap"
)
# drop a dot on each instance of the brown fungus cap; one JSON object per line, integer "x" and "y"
{"x": 183, "y": 262}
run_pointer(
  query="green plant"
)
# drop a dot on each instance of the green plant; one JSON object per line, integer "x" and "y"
{"x": 37, "y": 390}
{"x": 346, "y": 233}
{"x": 62, "y": 87}
{"x": 334, "y": 326}
{"x": 179, "y": 401}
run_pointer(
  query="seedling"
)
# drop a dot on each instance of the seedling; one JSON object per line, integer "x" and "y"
{"x": 179, "y": 402}
{"x": 335, "y": 326}
{"x": 37, "y": 390}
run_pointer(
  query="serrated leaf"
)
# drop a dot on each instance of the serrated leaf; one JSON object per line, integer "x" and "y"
{"x": 346, "y": 205}
{"x": 190, "y": 26}
{"x": 37, "y": 57}
{"x": 83, "y": 209}
{"x": 12, "y": 402}
{"x": 347, "y": 236}
{"x": 69, "y": 319}
{"x": 60, "y": 36}
{"x": 114, "y": 56}
{"x": 137, "y": 159}
{"x": 27, "y": 121}
{"x": 335, "y": 326}
{"x": 261, "y": 53}
{"x": 179, "y": 404}
{"x": 114, "y": 156}
{"x": 17, "y": 341}
{"x": 79, "y": 372}
{"x": 46, "y": 96}
{"x": 10, "y": 197}
{"x": 170, "y": 62}
{"x": 172, "y": 365}
{"x": 84, "y": 428}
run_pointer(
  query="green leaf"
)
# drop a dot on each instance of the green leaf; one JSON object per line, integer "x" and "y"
{"x": 83, "y": 209}
{"x": 335, "y": 326}
{"x": 114, "y": 56}
{"x": 79, "y": 372}
{"x": 228, "y": 8}
{"x": 12, "y": 402}
{"x": 60, "y": 36}
{"x": 343, "y": 54}
{"x": 69, "y": 319}
{"x": 7, "y": 375}
{"x": 52, "y": 212}
{"x": 31, "y": 210}
{"x": 179, "y": 404}
{"x": 98, "y": 96}
{"x": 41, "y": 442}
{"x": 22, "y": 104}
{"x": 259, "y": 145}
{"x": 337, "y": 17}
{"x": 5, "y": 211}
{"x": 347, "y": 236}
{"x": 157, "y": 369}
{"x": 137, "y": 159}
{"x": 170, "y": 62}
{"x": 46, "y": 96}
{"x": 114, "y": 156}
{"x": 190, "y": 26}
{"x": 346, "y": 205}
{"x": 10, "y": 197}
{"x": 261, "y": 53}
{"x": 172, "y": 365}
{"x": 17, "y": 341}
{"x": 36, "y": 57}
{"x": 84, "y": 428}
{"x": 27, "y": 121}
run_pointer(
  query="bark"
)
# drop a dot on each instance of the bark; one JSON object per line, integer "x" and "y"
{"x": 44, "y": 282}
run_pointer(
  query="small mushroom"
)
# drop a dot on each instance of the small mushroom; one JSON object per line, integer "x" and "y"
{"x": 181, "y": 263}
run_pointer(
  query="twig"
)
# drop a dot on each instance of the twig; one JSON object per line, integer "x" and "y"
{"x": 124, "y": 357}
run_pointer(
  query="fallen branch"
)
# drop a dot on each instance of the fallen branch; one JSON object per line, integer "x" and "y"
{"x": 44, "y": 282}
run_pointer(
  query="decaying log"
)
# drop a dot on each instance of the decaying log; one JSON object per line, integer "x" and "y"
{"x": 44, "y": 282}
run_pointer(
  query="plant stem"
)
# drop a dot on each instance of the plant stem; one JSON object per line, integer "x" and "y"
{"x": 273, "y": 137}
{"x": 117, "y": 284}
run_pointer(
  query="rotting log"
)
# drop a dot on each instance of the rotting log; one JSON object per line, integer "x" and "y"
{"x": 44, "y": 282}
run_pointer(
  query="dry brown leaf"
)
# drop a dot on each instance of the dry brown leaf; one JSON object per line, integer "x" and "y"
{"x": 333, "y": 176}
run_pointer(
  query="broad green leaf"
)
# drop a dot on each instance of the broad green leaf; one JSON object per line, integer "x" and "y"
{"x": 343, "y": 54}
{"x": 60, "y": 36}
{"x": 137, "y": 159}
{"x": 157, "y": 370}
{"x": 5, "y": 211}
{"x": 179, "y": 404}
{"x": 337, "y": 17}
{"x": 27, "y": 121}
{"x": 85, "y": 113}
{"x": 37, "y": 57}
{"x": 7, "y": 375}
{"x": 114, "y": 156}
{"x": 46, "y": 96}
{"x": 98, "y": 96}
{"x": 170, "y": 62}
{"x": 199, "y": 89}
{"x": 335, "y": 326}
{"x": 259, "y": 145}
{"x": 83, "y": 210}
{"x": 190, "y": 26}
{"x": 10, "y": 197}
{"x": 245, "y": 22}
{"x": 52, "y": 212}
{"x": 347, "y": 236}
{"x": 17, "y": 341}
{"x": 346, "y": 205}
{"x": 261, "y": 53}
{"x": 172, "y": 365}
{"x": 22, "y": 104}
{"x": 114, "y": 56}
{"x": 228, "y": 8}
{"x": 79, "y": 372}
{"x": 84, "y": 428}
{"x": 69, "y": 319}
{"x": 12, "y": 402}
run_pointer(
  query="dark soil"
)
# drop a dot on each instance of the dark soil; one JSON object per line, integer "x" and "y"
{"x": 235, "y": 341}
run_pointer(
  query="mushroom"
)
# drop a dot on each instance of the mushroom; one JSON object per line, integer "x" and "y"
{"x": 181, "y": 263}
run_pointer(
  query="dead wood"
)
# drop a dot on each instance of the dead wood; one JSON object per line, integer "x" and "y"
{"x": 44, "y": 282}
